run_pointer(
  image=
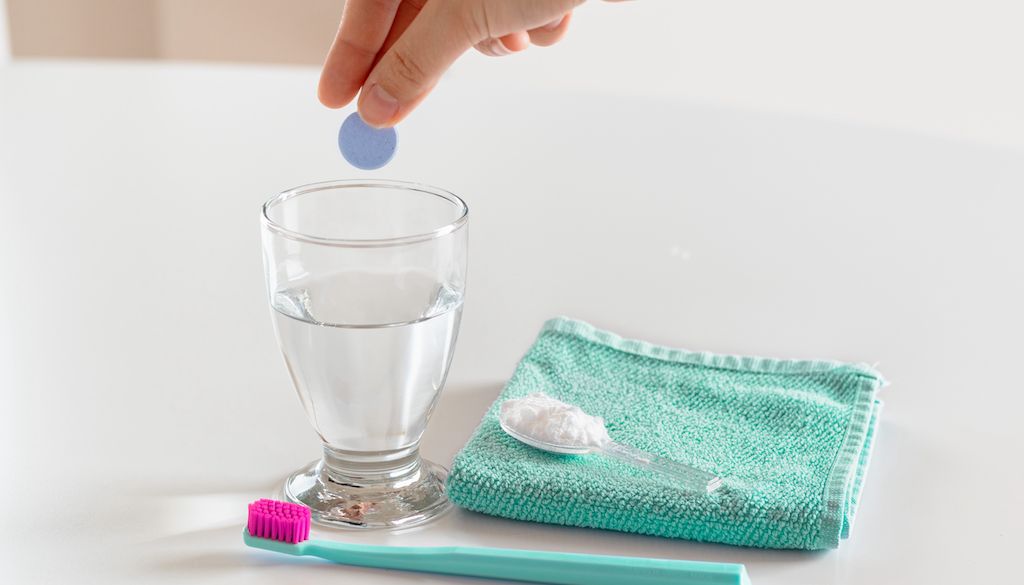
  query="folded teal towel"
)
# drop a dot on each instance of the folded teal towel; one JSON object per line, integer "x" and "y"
{"x": 792, "y": 439}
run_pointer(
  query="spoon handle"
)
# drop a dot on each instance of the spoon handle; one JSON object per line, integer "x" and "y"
{"x": 689, "y": 477}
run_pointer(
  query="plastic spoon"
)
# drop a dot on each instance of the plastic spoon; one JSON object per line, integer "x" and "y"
{"x": 689, "y": 477}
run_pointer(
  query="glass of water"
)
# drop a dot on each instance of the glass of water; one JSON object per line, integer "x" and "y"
{"x": 366, "y": 280}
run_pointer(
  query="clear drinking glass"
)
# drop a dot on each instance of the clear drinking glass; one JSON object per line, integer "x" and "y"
{"x": 366, "y": 280}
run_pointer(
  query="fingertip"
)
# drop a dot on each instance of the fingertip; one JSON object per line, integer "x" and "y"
{"x": 331, "y": 100}
{"x": 377, "y": 107}
{"x": 390, "y": 114}
{"x": 550, "y": 33}
{"x": 515, "y": 42}
{"x": 333, "y": 91}
{"x": 559, "y": 23}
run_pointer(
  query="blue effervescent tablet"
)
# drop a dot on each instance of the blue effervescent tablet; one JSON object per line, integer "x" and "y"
{"x": 364, "y": 146}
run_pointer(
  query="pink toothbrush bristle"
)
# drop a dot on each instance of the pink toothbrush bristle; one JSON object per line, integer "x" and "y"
{"x": 279, "y": 521}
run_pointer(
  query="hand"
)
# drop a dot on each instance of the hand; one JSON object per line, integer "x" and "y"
{"x": 392, "y": 52}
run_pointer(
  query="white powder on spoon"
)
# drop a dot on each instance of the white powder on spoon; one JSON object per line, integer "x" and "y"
{"x": 546, "y": 419}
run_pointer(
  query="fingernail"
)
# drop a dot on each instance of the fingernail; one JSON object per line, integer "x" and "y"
{"x": 499, "y": 48}
{"x": 553, "y": 24}
{"x": 379, "y": 107}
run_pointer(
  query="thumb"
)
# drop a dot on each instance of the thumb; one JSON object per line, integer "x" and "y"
{"x": 411, "y": 67}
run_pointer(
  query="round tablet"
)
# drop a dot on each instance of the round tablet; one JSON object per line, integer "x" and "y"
{"x": 364, "y": 146}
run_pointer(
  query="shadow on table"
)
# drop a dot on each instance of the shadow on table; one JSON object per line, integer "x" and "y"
{"x": 220, "y": 552}
{"x": 457, "y": 414}
{"x": 211, "y": 543}
{"x": 248, "y": 563}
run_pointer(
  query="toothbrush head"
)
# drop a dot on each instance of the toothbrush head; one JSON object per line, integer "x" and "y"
{"x": 279, "y": 521}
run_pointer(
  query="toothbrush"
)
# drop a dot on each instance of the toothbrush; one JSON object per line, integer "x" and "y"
{"x": 284, "y": 527}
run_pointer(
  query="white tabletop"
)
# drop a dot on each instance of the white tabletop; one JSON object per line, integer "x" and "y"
{"x": 144, "y": 401}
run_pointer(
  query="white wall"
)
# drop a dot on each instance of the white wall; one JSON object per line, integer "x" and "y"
{"x": 271, "y": 31}
{"x": 954, "y": 68}
{"x": 5, "y": 45}
{"x": 947, "y": 67}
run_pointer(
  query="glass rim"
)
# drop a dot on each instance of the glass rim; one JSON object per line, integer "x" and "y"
{"x": 448, "y": 228}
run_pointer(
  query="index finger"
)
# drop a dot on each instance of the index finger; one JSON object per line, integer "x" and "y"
{"x": 406, "y": 13}
{"x": 364, "y": 26}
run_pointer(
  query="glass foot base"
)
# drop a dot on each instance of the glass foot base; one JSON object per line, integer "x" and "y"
{"x": 343, "y": 503}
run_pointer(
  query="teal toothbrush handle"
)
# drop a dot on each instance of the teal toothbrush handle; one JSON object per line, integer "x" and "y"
{"x": 517, "y": 565}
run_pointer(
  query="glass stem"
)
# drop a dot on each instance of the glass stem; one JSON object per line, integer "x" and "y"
{"x": 364, "y": 468}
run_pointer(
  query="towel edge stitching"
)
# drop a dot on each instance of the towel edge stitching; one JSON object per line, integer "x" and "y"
{"x": 587, "y": 331}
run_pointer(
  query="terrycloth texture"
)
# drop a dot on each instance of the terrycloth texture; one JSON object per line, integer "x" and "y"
{"x": 792, "y": 439}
